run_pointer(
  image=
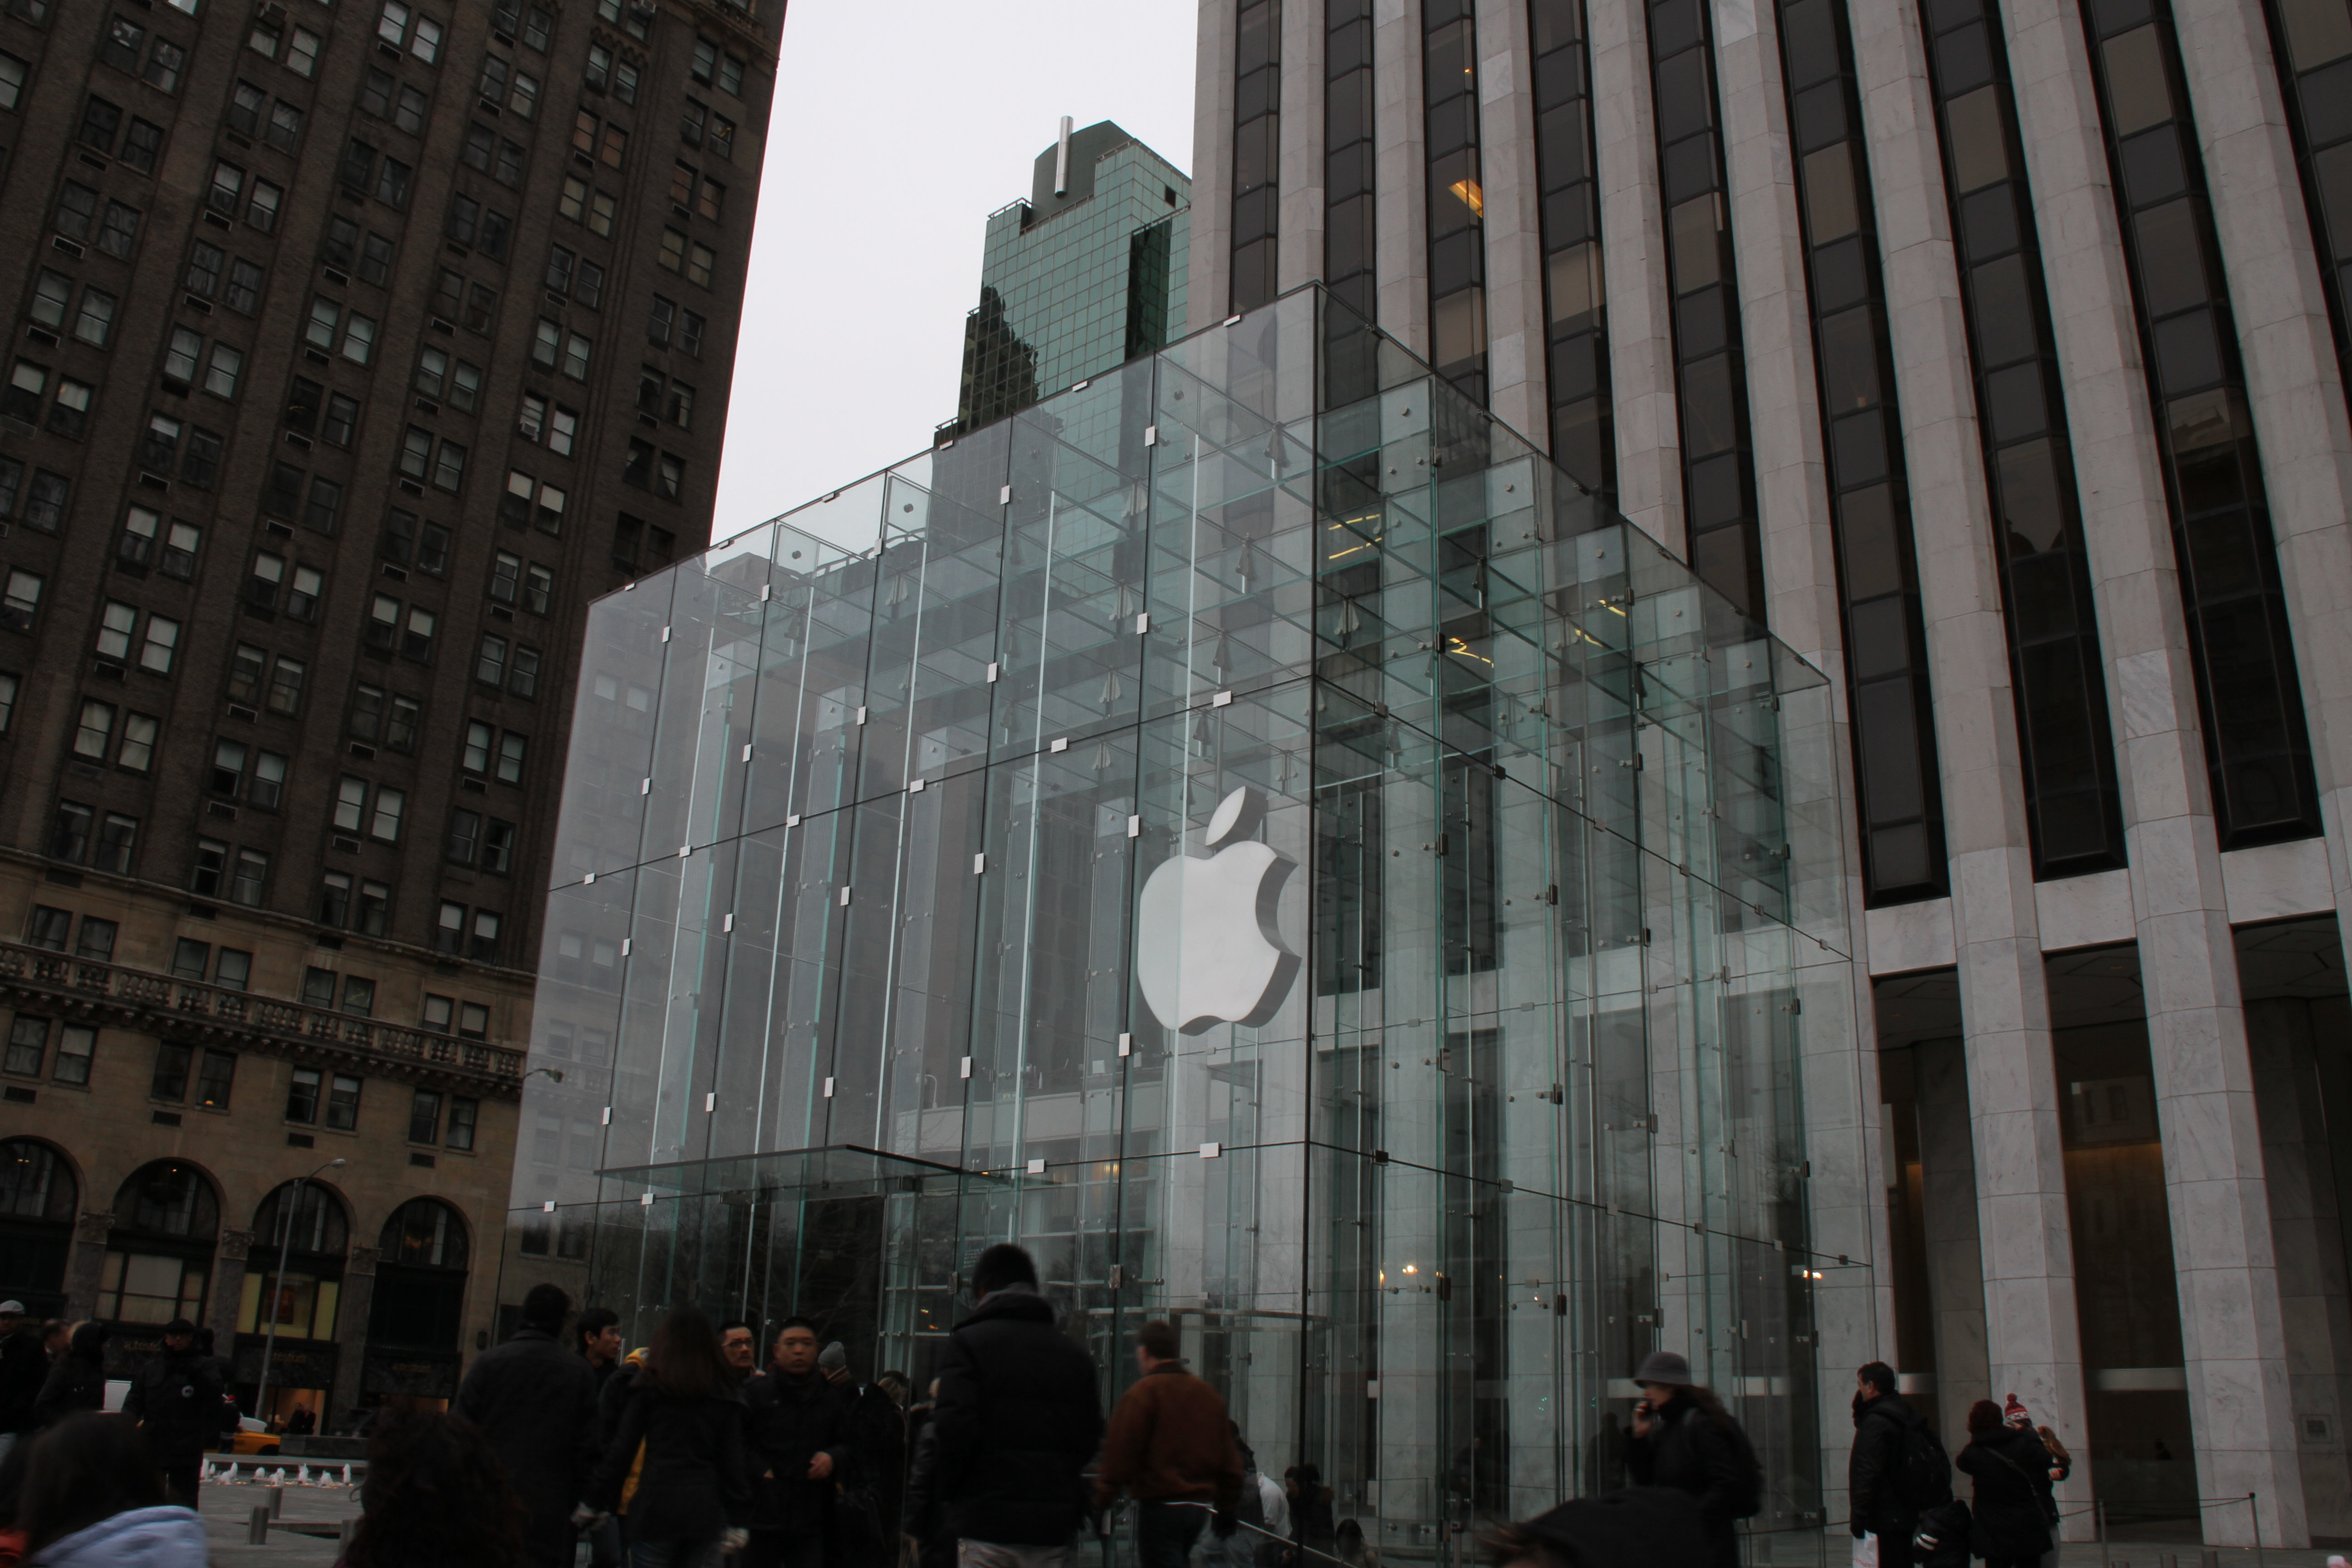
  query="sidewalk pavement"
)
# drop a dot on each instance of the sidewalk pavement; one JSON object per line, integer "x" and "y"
{"x": 227, "y": 1513}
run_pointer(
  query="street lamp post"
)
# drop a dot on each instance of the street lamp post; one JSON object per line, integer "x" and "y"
{"x": 286, "y": 1215}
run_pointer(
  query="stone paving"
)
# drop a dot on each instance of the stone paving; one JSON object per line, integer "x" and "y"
{"x": 228, "y": 1510}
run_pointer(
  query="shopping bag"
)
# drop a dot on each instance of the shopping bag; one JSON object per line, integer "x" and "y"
{"x": 1865, "y": 1551}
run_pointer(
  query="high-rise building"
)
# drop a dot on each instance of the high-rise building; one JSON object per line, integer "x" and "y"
{"x": 1086, "y": 274}
{"x": 357, "y": 348}
{"x": 1991, "y": 353}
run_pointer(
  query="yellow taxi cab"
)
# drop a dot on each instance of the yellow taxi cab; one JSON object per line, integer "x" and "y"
{"x": 251, "y": 1436}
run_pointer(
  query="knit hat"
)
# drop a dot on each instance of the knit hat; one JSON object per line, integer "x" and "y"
{"x": 2013, "y": 1412}
{"x": 1662, "y": 1366}
{"x": 833, "y": 1357}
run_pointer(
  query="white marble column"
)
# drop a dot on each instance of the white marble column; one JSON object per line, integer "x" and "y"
{"x": 2230, "y": 1325}
{"x": 2033, "y": 1339}
{"x": 1401, "y": 222}
{"x": 1784, "y": 409}
{"x": 1506, "y": 161}
{"x": 2293, "y": 381}
{"x": 1955, "y": 1247}
{"x": 1208, "y": 289}
{"x": 1634, "y": 274}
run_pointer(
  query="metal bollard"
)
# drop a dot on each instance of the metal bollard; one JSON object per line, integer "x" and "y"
{"x": 257, "y": 1529}
{"x": 277, "y": 1502}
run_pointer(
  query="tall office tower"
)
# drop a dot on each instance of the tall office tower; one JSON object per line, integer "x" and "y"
{"x": 1992, "y": 352}
{"x": 355, "y": 350}
{"x": 1086, "y": 274}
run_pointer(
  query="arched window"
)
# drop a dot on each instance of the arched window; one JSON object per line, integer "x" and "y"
{"x": 168, "y": 1198}
{"x": 159, "y": 1256}
{"x": 38, "y": 1197}
{"x": 420, "y": 1277}
{"x": 424, "y": 1233}
{"x": 298, "y": 1245}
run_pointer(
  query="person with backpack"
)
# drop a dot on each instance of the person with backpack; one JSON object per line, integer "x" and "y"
{"x": 1685, "y": 1440}
{"x": 1897, "y": 1470}
{"x": 2014, "y": 1509}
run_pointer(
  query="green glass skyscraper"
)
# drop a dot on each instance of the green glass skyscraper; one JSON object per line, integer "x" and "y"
{"x": 1084, "y": 276}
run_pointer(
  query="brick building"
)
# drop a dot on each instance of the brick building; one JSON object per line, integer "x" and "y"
{"x": 355, "y": 350}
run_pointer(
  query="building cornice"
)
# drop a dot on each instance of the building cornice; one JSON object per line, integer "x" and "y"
{"x": 193, "y": 1013}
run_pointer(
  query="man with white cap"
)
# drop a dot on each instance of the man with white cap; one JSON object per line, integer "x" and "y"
{"x": 23, "y": 1366}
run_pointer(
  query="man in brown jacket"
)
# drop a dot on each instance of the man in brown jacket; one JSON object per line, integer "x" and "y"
{"x": 1171, "y": 1448}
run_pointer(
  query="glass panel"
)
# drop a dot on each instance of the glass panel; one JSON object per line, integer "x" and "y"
{"x": 1299, "y": 864}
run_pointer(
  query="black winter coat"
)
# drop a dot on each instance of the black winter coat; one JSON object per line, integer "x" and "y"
{"x": 536, "y": 1404}
{"x": 866, "y": 1523}
{"x": 1873, "y": 1469}
{"x": 1687, "y": 1452}
{"x": 616, "y": 1386}
{"x": 1018, "y": 1418}
{"x": 24, "y": 1367}
{"x": 77, "y": 1381}
{"x": 2010, "y": 1518}
{"x": 697, "y": 1478}
{"x": 178, "y": 1398}
{"x": 921, "y": 1517}
{"x": 792, "y": 1420}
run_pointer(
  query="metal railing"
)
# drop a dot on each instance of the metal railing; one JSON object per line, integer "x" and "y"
{"x": 168, "y": 999}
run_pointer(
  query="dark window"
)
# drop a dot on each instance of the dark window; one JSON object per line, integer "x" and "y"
{"x": 2257, "y": 746}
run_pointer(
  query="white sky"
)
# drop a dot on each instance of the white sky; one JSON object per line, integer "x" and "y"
{"x": 899, "y": 125}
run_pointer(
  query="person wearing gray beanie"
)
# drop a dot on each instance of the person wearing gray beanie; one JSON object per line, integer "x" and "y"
{"x": 1685, "y": 1440}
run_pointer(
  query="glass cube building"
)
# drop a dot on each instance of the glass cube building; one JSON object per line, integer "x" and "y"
{"x": 1250, "y": 830}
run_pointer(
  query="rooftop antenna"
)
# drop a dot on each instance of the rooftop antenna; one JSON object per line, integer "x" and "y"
{"x": 1062, "y": 160}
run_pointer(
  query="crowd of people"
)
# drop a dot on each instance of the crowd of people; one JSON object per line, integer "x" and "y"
{"x": 696, "y": 1448}
{"x": 694, "y": 1451}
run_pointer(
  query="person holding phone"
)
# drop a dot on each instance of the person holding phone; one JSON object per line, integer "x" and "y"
{"x": 1684, "y": 1439}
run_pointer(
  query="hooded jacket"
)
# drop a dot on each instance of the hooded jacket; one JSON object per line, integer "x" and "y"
{"x": 1018, "y": 1418}
{"x": 136, "y": 1538}
{"x": 77, "y": 1381}
{"x": 1874, "y": 1469}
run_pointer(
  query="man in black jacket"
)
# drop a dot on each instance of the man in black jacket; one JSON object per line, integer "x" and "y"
{"x": 798, "y": 1434}
{"x": 536, "y": 1404}
{"x": 1018, "y": 1416}
{"x": 176, "y": 1395}
{"x": 597, "y": 1332}
{"x": 1876, "y": 1472}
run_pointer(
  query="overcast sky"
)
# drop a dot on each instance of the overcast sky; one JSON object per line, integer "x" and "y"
{"x": 900, "y": 126}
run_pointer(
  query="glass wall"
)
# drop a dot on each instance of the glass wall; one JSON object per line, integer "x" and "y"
{"x": 1301, "y": 867}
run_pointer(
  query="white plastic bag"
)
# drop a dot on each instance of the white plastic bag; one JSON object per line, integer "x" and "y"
{"x": 1865, "y": 1553}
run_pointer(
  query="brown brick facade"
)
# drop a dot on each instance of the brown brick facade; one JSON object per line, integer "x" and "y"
{"x": 355, "y": 349}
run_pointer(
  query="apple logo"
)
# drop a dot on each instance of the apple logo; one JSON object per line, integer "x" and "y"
{"x": 1207, "y": 952}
